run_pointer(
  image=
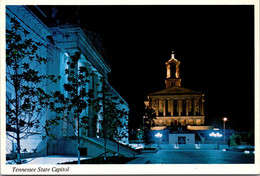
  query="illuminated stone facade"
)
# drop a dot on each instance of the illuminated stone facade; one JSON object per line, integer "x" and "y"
{"x": 59, "y": 44}
{"x": 175, "y": 105}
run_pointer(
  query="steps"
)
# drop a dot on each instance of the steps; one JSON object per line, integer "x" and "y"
{"x": 114, "y": 146}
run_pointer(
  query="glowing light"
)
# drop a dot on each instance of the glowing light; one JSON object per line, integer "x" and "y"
{"x": 215, "y": 134}
{"x": 66, "y": 54}
{"x": 158, "y": 135}
{"x": 225, "y": 119}
{"x": 246, "y": 152}
{"x": 136, "y": 146}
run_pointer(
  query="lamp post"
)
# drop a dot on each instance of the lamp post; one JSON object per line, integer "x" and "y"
{"x": 224, "y": 126}
{"x": 143, "y": 121}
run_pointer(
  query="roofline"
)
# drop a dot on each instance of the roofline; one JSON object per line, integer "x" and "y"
{"x": 119, "y": 96}
{"x": 191, "y": 93}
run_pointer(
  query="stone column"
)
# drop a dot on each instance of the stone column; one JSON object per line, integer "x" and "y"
{"x": 169, "y": 106}
{"x": 202, "y": 107}
{"x": 153, "y": 104}
{"x": 95, "y": 82}
{"x": 150, "y": 104}
{"x": 164, "y": 107}
{"x": 157, "y": 107}
{"x": 168, "y": 67}
{"x": 198, "y": 105}
{"x": 172, "y": 108}
{"x": 160, "y": 107}
{"x": 194, "y": 107}
{"x": 187, "y": 107}
{"x": 179, "y": 107}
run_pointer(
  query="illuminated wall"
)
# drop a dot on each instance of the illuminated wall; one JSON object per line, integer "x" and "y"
{"x": 39, "y": 32}
{"x": 59, "y": 44}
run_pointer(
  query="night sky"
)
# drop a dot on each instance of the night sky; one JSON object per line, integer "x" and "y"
{"x": 215, "y": 45}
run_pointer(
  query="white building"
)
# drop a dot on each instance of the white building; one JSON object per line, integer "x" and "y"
{"x": 59, "y": 44}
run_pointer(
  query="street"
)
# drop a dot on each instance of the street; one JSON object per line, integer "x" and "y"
{"x": 171, "y": 156}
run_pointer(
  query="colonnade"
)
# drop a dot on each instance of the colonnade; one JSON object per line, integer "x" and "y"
{"x": 178, "y": 107}
{"x": 94, "y": 83}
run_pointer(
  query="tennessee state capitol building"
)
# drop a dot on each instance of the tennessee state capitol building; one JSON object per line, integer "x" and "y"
{"x": 176, "y": 105}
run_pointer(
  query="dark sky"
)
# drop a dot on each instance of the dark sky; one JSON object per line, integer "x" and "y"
{"x": 215, "y": 45}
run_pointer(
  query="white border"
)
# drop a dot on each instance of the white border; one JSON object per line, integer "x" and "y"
{"x": 134, "y": 169}
{"x": 130, "y": 2}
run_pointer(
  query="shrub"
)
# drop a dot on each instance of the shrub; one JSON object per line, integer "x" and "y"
{"x": 235, "y": 140}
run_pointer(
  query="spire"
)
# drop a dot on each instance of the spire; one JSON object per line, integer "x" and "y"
{"x": 173, "y": 55}
{"x": 173, "y": 72}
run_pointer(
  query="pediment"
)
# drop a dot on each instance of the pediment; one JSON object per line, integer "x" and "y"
{"x": 175, "y": 91}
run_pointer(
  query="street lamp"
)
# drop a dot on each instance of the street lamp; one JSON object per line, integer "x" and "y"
{"x": 224, "y": 126}
{"x": 158, "y": 135}
{"x": 143, "y": 121}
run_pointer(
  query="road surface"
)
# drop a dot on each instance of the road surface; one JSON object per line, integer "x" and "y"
{"x": 171, "y": 156}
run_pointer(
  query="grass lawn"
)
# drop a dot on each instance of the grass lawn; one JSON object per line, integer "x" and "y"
{"x": 100, "y": 160}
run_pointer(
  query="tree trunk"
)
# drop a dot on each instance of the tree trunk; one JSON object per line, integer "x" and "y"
{"x": 105, "y": 142}
{"x": 104, "y": 118}
{"x": 105, "y": 156}
{"x": 78, "y": 154}
{"x": 18, "y": 148}
{"x": 16, "y": 86}
{"x": 78, "y": 143}
{"x": 18, "y": 159}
